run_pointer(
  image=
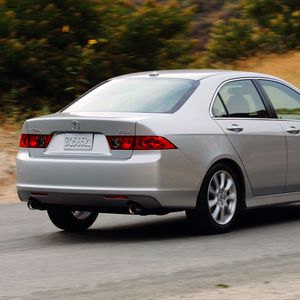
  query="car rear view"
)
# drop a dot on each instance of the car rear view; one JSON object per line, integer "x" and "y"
{"x": 101, "y": 154}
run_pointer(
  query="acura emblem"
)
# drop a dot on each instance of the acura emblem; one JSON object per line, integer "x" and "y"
{"x": 75, "y": 125}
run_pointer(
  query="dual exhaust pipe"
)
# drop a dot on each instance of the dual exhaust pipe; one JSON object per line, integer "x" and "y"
{"x": 133, "y": 208}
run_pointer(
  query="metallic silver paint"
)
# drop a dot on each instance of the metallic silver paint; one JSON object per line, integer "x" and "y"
{"x": 261, "y": 147}
{"x": 293, "y": 161}
{"x": 172, "y": 177}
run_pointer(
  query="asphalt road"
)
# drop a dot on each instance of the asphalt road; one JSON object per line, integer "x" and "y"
{"x": 133, "y": 257}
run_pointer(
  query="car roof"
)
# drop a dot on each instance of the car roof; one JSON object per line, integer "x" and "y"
{"x": 196, "y": 74}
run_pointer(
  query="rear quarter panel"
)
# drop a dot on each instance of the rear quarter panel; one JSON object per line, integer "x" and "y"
{"x": 196, "y": 135}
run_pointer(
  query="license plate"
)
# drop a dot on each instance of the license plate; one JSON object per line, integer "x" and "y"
{"x": 78, "y": 141}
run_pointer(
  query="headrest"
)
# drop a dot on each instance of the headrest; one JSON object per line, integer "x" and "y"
{"x": 237, "y": 91}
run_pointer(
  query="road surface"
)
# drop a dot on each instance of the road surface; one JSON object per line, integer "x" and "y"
{"x": 154, "y": 257}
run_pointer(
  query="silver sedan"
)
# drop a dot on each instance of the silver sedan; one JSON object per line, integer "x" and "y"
{"x": 209, "y": 142}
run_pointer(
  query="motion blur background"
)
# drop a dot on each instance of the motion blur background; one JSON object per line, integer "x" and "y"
{"x": 53, "y": 51}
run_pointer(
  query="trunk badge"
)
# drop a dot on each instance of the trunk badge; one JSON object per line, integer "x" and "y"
{"x": 34, "y": 130}
{"x": 75, "y": 125}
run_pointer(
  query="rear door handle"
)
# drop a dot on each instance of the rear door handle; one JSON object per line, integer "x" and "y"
{"x": 293, "y": 130}
{"x": 235, "y": 128}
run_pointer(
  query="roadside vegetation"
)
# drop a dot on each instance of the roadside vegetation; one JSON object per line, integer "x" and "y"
{"x": 51, "y": 52}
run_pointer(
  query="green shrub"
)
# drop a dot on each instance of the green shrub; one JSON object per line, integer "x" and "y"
{"x": 52, "y": 51}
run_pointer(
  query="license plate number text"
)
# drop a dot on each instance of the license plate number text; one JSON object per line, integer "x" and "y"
{"x": 78, "y": 141}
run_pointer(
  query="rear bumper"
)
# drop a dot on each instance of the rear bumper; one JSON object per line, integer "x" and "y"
{"x": 153, "y": 179}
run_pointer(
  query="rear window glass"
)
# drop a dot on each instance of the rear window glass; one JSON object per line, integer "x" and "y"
{"x": 145, "y": 95}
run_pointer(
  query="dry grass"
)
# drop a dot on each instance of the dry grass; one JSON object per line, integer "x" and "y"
{"x": 9, "y": 136}
{"x": 285, "y": 66}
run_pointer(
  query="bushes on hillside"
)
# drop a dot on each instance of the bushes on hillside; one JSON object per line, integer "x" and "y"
{"x": 52, "y": 51}
{"x": 263, "y": 25}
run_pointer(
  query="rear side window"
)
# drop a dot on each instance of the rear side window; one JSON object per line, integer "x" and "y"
{"x": 144, "y": 95}
{"x": 285, "y": 100}
{"x": 218, "y": 109}
{"x": 242, "y": 100}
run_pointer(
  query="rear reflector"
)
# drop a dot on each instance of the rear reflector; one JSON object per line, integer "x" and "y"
{"x": 34, "y": 140}
{"x": 38, "y": 194}
{"x": 139, "y": 143}
{"x": 117, "y": 197}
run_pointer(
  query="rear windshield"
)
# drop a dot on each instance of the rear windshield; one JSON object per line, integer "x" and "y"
{"x": 145, "y": 95}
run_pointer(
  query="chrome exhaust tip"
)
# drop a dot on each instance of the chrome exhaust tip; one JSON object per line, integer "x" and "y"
{"x": 35, "y": 205}
{"x": 135, "y": 209}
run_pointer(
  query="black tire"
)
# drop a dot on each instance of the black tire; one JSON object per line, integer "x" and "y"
{"x": 200, "y": 218}
{"x": 68, "y": 220}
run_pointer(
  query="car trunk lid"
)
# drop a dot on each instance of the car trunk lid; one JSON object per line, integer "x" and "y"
{"x": 81, "y": 135}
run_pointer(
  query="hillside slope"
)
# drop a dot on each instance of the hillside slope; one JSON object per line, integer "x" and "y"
{"x": 9, "y": 138}
{"x": 286, "y": 66}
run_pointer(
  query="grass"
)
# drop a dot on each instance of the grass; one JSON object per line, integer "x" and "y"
{"x": 285, "y": 66}
{"x": 9, "y": 137}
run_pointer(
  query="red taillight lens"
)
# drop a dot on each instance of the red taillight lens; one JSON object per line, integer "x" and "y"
{"x": 34, "y": 140}
{"x": 120, "y": 142}
{"x": 139, "y": 143}
{"x": 152, "y": 143}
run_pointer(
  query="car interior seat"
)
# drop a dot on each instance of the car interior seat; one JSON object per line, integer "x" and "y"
{"x": 237, "y": 105}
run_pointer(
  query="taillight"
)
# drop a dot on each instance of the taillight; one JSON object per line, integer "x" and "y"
{"x": 34, "y": 140}
{"x": 152, "y": 143}
{"x": 120, "y": 142}
{"x": 139, "y": 143}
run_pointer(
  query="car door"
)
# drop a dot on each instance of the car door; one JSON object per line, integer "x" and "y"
{"x": 286, "y": 103}
{"x": 258, "y": 139}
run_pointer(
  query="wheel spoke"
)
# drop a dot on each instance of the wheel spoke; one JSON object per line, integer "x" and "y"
{"x": 232, "y": 196}
{"x": 222, "y": 214}
{"x": 81, "y": 215}
{"x": 216, "y": 212}
{"x": 212, "y": 190}
{"x": 212, "y": 202}
{"x": 228, "y": 185}
{"x": 227, "y": 210}
{"x": 230, "y": 206}
{"x": 217, "y": 184}
{"x": 222, "y": 177}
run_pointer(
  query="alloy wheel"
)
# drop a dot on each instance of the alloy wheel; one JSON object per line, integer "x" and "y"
{"x": 222, "y": 197}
